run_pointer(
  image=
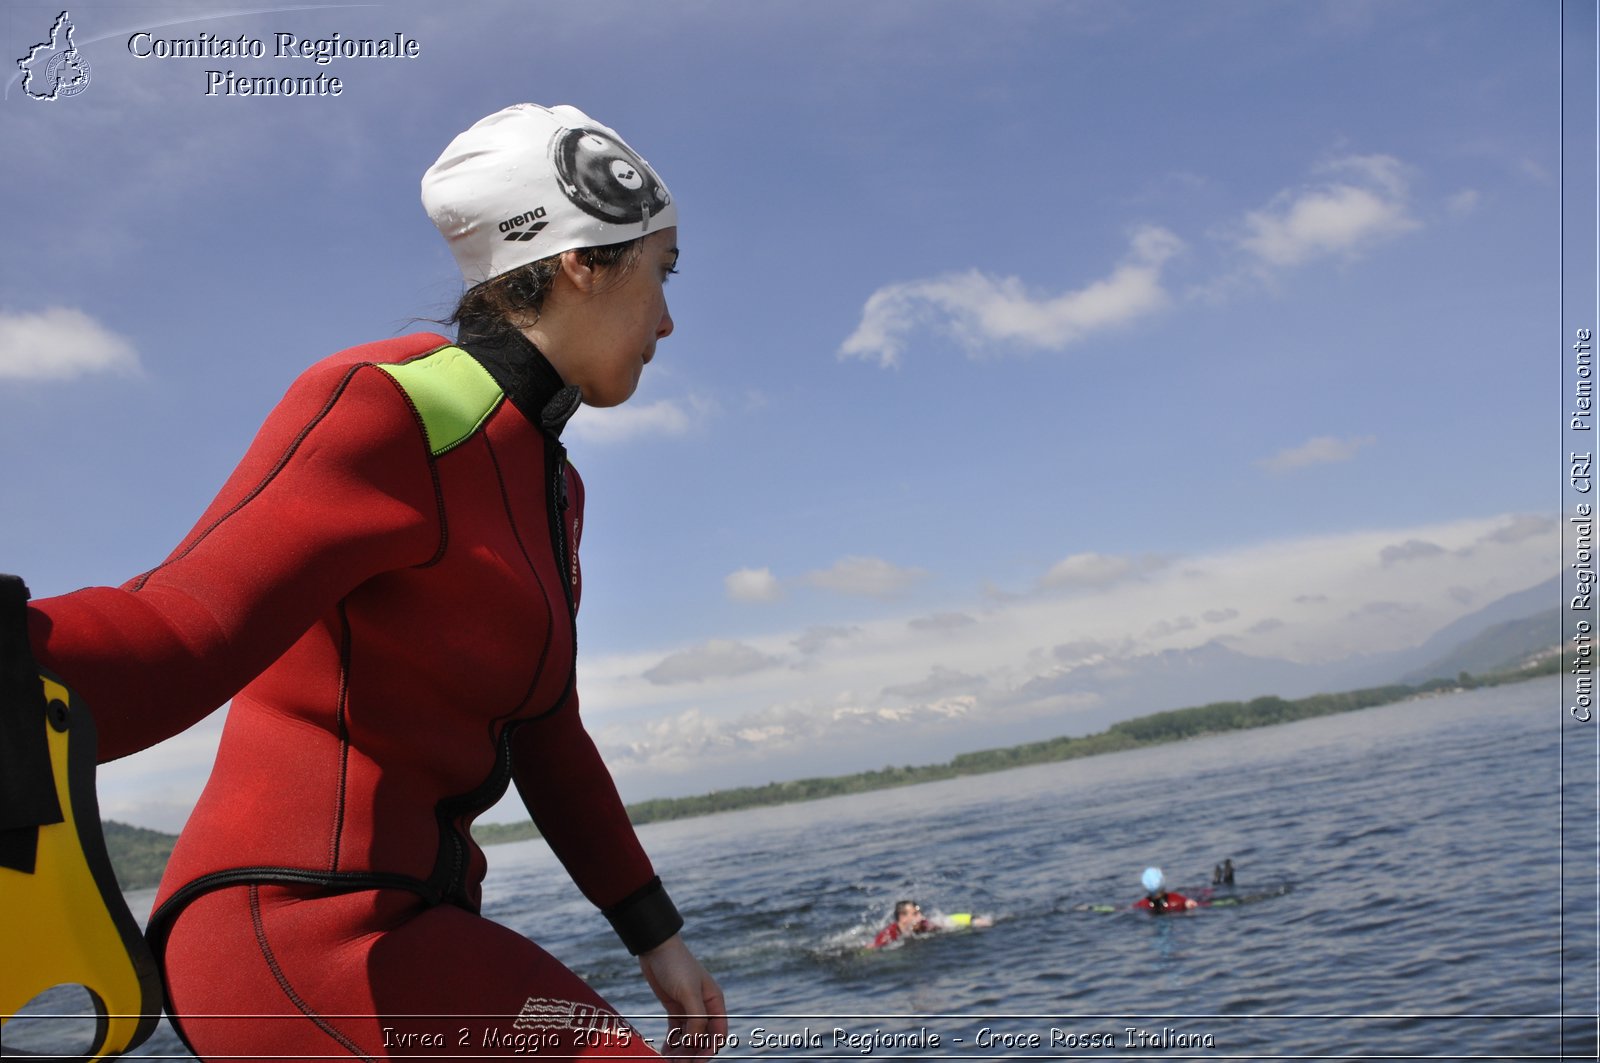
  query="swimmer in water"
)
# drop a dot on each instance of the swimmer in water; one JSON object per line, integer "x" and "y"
{"x": 1157, "y": 898}
{"x": 910, "y": 922}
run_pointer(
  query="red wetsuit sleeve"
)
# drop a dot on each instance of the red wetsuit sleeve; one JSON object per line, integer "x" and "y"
{"x": 336, "y": 488}
{"x": 574, "y": 803}
{"x": 567, "y": 788}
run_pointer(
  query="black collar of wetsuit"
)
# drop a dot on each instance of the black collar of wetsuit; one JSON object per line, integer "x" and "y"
{"x": 525, "y": 375}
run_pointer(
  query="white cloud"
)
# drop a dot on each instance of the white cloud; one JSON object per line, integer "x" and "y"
{"x": 1463, "y": 202}
{"x": 1081, "y": 651}
{"x": 814, "y": 640}
{"x": 1162, "y": 629}
{"x": 871, "y": 577}
{"x": 1320, "y": 450}
{"x": 728, "y": 706}
{"x": 1333, "y": 218}
{"x": 753, "y": 585}
{"x": 1410, "y": 550}
{"x": 1520, "y": 527}
{"x": 942, "y": 622}
{"x": 628, "y": 422}
{"x": 157, "y": 787}
{"x": 1382, "y": 610}
{"x": 1534, "y": 171}
{"x": 714, "y": 659}
{"x": 691, "y": 739}
{"x": 1096, "y": 571}
{"x": 1356, "y": 202}
{"x": 984, "y": 312}
{"x": 61, "y": 344}
{"x": 941, "y": 684}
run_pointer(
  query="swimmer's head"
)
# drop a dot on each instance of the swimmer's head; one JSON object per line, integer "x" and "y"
{"x": 1152, "y": 879}
{"x": 529, "y": 182}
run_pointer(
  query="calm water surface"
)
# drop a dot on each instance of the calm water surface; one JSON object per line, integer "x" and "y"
{"x": 1406, "y": 887}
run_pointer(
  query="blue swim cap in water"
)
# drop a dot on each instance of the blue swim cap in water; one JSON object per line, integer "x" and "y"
{"x": 1152, "y": 879}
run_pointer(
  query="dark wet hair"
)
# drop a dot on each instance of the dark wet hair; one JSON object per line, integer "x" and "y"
{"x": 515, "y": 298}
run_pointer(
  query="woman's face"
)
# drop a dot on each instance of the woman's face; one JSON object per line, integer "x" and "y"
{"x": 618, "y": 323}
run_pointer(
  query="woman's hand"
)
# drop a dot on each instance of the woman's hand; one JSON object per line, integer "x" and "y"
{"x": 697, "y": 1018}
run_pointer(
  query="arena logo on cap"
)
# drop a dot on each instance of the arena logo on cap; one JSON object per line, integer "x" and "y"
{"x": 512, "y": 227}
{"x": 55, "y": 69}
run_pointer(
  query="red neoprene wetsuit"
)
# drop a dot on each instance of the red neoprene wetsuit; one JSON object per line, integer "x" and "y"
{"x": 386, "y": 588}
{"x": 1174, "y": 902}
{"x": 891, "y": 933}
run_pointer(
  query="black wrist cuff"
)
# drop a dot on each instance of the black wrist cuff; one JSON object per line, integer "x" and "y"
{"x": 645, "y": 918}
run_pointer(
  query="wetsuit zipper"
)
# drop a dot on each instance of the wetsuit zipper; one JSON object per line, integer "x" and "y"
{"x": 453, "y": 886}
{"x": 558, "y": 528}
{"x": 495, "y": 785}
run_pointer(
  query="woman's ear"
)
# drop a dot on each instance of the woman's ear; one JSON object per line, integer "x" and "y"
{"x": 578, "y": 273}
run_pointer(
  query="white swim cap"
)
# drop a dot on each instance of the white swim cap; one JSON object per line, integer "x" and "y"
{"x": 1152, "y": 879}
{"x": 529, "y": 182}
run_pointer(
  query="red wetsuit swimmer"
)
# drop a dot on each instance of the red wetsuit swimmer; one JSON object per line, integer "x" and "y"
{"x": 386, "y": 588}
{"x": 1166, "y": 902}
{"x": 893, "y": 932}
{"x": 909, "y": 922}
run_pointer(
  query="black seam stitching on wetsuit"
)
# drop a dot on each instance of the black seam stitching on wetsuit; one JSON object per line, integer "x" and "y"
{"x": 439, "y": 507}
{"x": 431, "y": 458}
{"x": 566, "y": 554}
{"x": 555, "y": 475}
{"x": 544, "y": 592}
{"x": 283, "y": 981}
{"x": 255, "y": 492}
{"x": 344, "y": 739}
{"x": 338, "y": 882}
{"x": 159, "y": 928}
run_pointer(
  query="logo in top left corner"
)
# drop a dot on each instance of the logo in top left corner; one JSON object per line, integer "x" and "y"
{"x": 55, "y": 69}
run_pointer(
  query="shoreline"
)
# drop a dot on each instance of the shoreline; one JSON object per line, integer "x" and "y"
{"x": 140, "y": 854}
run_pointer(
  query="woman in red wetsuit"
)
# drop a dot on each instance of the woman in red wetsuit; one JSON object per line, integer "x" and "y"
{"x": 386, "y": 587}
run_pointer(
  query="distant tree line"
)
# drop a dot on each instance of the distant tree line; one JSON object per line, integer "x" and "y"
{"x": 139, "y": 855}
{"x": 1153, "y": 729}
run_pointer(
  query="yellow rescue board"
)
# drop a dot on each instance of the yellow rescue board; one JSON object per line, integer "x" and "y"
{"x": 66, "y": 923}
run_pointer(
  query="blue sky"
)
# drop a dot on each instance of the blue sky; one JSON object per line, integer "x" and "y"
{"x": 1012, "y": 338}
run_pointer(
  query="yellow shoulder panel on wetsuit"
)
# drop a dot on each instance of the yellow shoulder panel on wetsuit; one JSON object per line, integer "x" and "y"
{"x": 65, "y": 922}
{"x": 452, "y": 392}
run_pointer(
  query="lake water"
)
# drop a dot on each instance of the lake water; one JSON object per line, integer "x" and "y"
{"x": 1408, "y": 885}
